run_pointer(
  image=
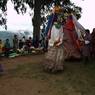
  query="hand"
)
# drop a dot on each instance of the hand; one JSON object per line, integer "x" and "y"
{"x": 58, "y": 44}
{"x": 55, "y": 43}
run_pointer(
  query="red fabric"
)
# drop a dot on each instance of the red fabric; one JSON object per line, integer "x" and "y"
{"x": 70, "y": 26}
{"x": 49, "y": 34}
{"x": 76, "y": 42}
{"x": 6, "y": 49}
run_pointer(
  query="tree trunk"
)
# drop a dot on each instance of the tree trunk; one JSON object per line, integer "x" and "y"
{"x": 36, "y": 23}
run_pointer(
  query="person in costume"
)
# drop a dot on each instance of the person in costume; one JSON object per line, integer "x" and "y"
{"x": 72, "y": 48}
{"x": 52, "y": 17}
{"x": 54, "y": 57}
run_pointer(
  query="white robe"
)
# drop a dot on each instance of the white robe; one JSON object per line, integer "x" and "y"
{"x": 55, "y": 35}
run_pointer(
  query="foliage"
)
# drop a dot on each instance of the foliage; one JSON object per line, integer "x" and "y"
{"x": 20, "y": 7}
{"x": 40, "y": 7}
{"x": 3, "y": 9}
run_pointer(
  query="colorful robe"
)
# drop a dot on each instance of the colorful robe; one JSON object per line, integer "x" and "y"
{"x": 54, "y": 58}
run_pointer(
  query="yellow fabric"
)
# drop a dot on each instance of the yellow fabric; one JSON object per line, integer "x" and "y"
{"x": 57, "y": 9}
{"x": 1, "y": 48}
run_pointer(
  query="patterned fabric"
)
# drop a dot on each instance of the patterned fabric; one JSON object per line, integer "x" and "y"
{"x": 69, "y": 45}
{"x": 54, "y": 59}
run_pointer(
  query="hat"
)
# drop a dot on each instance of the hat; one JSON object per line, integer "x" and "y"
{"x": 57, "y": 9}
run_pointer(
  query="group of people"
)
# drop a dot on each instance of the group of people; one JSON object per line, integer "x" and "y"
{"x": 64, "y": 42}
{"x": 5, "y": 47}
{"x": 19, "y": 45}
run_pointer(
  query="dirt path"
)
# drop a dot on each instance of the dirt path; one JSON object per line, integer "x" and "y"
{"x": 15, "y": 85}
{"x": 10, "y": 63}
{"x": 24, "y": 75}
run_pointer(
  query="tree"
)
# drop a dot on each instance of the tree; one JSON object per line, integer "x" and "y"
{"x": 3, "y": 9}
{"x": 40, "y": 8}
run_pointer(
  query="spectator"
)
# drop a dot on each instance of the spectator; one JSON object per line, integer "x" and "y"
{"x": 7, "y": 48}
{"x": 23, "y": 40}
{"x": 28, "y": 44}
{"x": 20, "y": 44}
{"x": 15, "y": 43}
{"x": 93, "y": 43}
{"x": 87, "y": 47}
{"x": 1, "y": 47}
{"x": 1, "y": 51}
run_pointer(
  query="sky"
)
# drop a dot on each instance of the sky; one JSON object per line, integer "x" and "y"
{"x": 23, "y": 22}
{"x": 88, "y": 13}
{"x": 16, "y": 21}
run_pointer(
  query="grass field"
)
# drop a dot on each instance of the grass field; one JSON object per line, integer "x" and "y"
{"x": 30, "y": 79}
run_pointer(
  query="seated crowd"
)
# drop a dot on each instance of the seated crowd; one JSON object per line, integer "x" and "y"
{"x": 20, "y": 46}
{"x": 24, "y": 45}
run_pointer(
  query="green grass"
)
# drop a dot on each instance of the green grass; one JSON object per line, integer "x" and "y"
{"x": 77, "y": 78}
